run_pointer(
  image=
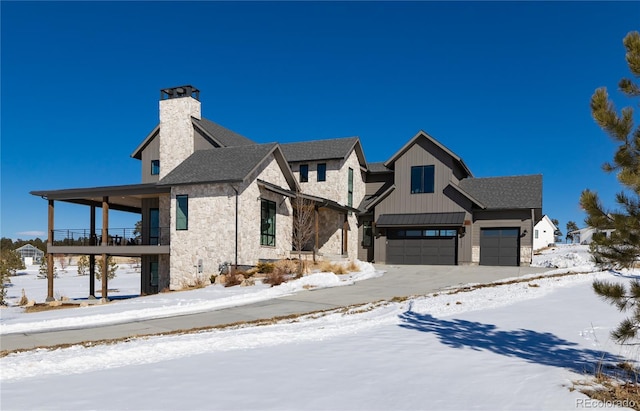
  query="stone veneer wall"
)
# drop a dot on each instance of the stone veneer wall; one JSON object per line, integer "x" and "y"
{"x": 211, "y": 226}
{"x": 335, "y": 188}
{"x": 176, "y": 131}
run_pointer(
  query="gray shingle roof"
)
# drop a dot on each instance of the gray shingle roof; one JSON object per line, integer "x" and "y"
{"x": 421, "y": 220}
{"x": 378, "y": 168}
{"x": 218, "y": 165}
{"x": 506, "y": 192}
{"x": 336, "y": 148}
{"x": 226, "y": 137}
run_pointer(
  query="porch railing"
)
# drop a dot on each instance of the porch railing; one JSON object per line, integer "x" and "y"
{"x": 115, "y": 237}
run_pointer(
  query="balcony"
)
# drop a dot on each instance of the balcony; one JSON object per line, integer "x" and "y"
{"x": 118, "y": 241}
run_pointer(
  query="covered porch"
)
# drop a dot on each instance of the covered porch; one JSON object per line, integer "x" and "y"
{"x": 149, "y": 239}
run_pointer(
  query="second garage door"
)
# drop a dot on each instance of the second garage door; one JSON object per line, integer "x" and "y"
{"x": 428, "y": 250}
{"x": 500, "y": 246}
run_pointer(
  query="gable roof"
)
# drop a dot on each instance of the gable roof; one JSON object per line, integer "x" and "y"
{"x": 221, "y": 135}
{"x": 506, "y": 192}
{"x": 545, "y": 218}
{"x": 332, "y": 149}
{"x": 378, "y": 168}
{"x": 217, "y": 134}
{"x": 226, "y": 165}
{"x": 423, "y": 134}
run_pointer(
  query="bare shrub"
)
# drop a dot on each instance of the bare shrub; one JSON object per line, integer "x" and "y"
{"x": 265, "y": 268}
{"x": 234, "y": 279}
{"x": 275, "y": 278}
{"x": 23, "y": 300}
{"x": 285, "y": 267}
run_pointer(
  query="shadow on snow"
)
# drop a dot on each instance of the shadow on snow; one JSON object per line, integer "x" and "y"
{"x": 531, "y": 346}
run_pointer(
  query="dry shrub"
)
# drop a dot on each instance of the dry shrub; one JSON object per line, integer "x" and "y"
{"x": 275, "y": 278}
{"x": 265, "y": 268}
{"x": 234, "y": 279}
{"x": 285, "y": 267}
{"x": 352, "y": 266}
{"x": 336, "y": 268}
{"x": 23, "y": 300}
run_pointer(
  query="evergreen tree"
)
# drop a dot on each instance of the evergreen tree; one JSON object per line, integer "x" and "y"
{"x": 111, "y": 268}
{"x": 571, "y": 226}
{"x": 622, "y": 247}
{"x": 83, "y": 265}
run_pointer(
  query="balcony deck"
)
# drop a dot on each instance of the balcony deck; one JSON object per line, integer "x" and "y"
{"x": 119, "y": 242}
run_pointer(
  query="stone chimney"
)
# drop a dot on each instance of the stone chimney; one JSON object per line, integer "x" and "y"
{"x": 177, "y": 140}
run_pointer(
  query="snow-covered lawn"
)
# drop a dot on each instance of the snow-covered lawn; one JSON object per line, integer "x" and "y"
{"x": 515, "y": 346}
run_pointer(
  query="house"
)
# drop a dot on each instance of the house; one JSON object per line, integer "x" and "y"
{"x": 210, "y": 197}
{"x": 29, "y": 254}
{"x": 544, "y": 233}
{"x": 585, "y": 235}
{"x": 423, "y": 206}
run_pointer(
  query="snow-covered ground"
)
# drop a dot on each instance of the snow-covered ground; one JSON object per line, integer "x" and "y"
{"x": 516, "y": 346}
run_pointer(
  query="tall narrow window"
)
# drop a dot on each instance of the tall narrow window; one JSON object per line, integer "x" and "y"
{"x": 155, "y": 167}
{"x": 322, "y": 172}
{"x": 154, "y": 226}
{"x": 153, "y": 269}
{"x": 367, "y": 234}
{"x": 350, "y": 189}
{"x": 268, "y": 223}
{"x": 422, "y": 179}
{"x": 304, "y": 173}
{"x": 182, "y": 212}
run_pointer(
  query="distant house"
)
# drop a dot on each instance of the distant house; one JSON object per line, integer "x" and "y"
{"x": 211, "y": 197}
{"x": 30, "y": 255}
{"x": 585, "y": 235}
{"x": 544, "y": 233}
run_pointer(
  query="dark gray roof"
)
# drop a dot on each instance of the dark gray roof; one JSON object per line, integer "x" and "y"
{"x": 218, "y": 165}
{"x": 421, "y": 220}
{"x": 378, "y": 168}
{"x": 506, "y": 192}
{"x": 336, "y": 148}
{"x": 224, "y": 136}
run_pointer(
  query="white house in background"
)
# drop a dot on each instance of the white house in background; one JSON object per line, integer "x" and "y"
{"x": 585, "y": 235}
{"x": 544, "y": 233}
{"x": 30, "y": 255}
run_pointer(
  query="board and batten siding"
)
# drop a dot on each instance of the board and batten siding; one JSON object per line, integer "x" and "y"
{"x": 150, "y": 152}
{"x": 444, "y": 199}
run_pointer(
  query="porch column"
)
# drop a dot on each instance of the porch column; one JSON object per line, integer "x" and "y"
{"x": 105, "y": 241}
{"x": 317, "y": 219}
{"x": 49, "y": 255}
{"x": 92, "y": 257}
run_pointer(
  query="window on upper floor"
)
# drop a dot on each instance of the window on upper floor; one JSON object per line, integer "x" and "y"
{"x": 350, "y": 188}
{"x": 155, "y": 167}
{"x": 422, "y": 178}
{"x": 304, "y": 173}
{"x": 322, "y": 172}
{"x": 182, "y": 212}
{"x": 268, "y": 223}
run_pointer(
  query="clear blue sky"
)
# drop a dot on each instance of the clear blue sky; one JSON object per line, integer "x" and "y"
{"x": 504, "y": 85}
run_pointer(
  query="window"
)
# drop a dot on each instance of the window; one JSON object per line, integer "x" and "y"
{"x": 153, "y": 269}
{"x": 367, "y": 234}
{"x": 535, "y": 234}
{"x": 268, "y": 223}
{"x": 304, "y": 173}
{"x": 322, "y": 172}
{"x": 422, "y": 179}
{"x": 154, "y": 226}
{"x": 350, "y": 189}
{"x": 182, "y": 212}
{"x": 155, "y": 167}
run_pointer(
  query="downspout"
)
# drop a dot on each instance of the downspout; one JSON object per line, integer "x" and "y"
{"x": 235, "y": 267}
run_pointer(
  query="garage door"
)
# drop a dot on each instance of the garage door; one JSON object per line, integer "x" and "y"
{"x": 432, "y": 249}
{"x": 500, "y": 246}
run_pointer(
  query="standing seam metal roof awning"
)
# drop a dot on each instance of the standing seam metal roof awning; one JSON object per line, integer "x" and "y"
{"x": 421, "y": 220}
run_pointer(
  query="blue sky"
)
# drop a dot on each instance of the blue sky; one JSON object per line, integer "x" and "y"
{"x": 505, "y": 85}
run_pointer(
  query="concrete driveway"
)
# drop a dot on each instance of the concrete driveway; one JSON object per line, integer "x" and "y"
{"x": 398, "y": 281}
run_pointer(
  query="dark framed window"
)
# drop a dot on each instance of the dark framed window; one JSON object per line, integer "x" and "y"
{"x": 268, "y": 223}
{"x": 154, "y": 226}
{"x": 422, "y": 179}
{"x": 182, "y": 212}
{"x": 322, "y": 172}
{"x": 417, "y": 233}
{"x": 304, "y": 173}
{"x": 367, "y": 234}
{"x": 153, "y": 269}
{"x": 155, "y": 167}
{"x": 350, "y": 188}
